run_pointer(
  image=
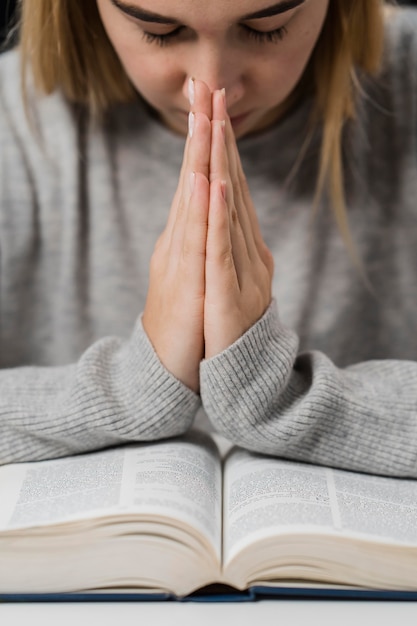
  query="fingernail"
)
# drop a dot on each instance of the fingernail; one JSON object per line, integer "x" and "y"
{"x": 191, "y": 91}
{"x": 191, "y": 122}
{"x": 223, "y": 92}
{"x": 192, "y": 182}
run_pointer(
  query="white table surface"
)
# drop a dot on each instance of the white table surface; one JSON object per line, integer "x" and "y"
{"x": 282, "y": 612}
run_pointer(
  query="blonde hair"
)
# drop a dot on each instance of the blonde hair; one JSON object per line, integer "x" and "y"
{"x": 351, "y": 41}
{"x": 66, "y": 46}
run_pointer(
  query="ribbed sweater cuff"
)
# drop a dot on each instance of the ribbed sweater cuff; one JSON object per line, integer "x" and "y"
{"x": 170, "y": 405}
{"x": 250, "y": 372}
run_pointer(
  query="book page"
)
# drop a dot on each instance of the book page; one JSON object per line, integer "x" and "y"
{"x": 383, "y": 508}
{"x": 263, "y": 496}
{"x": 180, "y": 478}
{"x": 263, "y": 493}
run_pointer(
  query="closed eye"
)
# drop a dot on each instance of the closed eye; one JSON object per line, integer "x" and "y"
{"x": 166, "y": 38}
{"x": 271, "y": 36}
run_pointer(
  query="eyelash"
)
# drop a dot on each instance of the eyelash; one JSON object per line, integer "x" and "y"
{"x": 272, "y": 36}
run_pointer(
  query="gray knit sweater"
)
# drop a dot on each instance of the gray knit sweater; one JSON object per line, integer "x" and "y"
{"x": 328, "y": 375}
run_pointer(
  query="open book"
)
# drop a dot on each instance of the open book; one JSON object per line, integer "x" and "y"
{"x": 173, "y": 517}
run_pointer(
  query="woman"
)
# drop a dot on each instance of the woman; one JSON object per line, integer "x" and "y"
{"x": 315, "y": 361}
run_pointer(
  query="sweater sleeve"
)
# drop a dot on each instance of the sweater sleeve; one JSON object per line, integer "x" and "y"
{"x": 117, "y": 392}
{"x": 106, "y": 390}
{"x": 268, "y": 396}
{"x": 265, "y": 396}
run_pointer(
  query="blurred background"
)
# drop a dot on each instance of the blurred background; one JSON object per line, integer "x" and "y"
{"x": 7, "y": 14}
{"x": 8, "y": 8}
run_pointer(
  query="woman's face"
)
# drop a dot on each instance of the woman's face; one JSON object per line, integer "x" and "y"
{"x": 255, "y": 49}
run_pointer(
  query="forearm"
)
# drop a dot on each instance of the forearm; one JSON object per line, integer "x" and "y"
{"x": 117, "y": 392}
{"x": 263, "y": 395}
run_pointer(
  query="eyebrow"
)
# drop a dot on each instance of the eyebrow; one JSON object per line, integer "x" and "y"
{"x": 275, "y": 9}
{"x": 148, "y": 16}
{"x": 142, "y": 14}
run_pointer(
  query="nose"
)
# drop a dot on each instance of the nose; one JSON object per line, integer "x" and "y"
{"x": 219, "y": 68}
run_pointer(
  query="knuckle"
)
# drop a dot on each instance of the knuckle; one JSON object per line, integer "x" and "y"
{"x": 192, "y": 256}
{"x": 237, "y": 190}
{"x": 187, "y": 252}
{"x": 234, "y": 216}
{"x": 225, "y": 259}
{"x": 155, "y": 262}
{"x": 159, "y": 245}
{"x": 268, "y": 260}
{"x": 243, "y": 184}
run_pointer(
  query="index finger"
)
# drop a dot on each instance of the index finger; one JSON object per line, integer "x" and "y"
{"x": 200, "y": 97}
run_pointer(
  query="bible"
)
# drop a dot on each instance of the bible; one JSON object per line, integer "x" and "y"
{"x": 174, "y": 519}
